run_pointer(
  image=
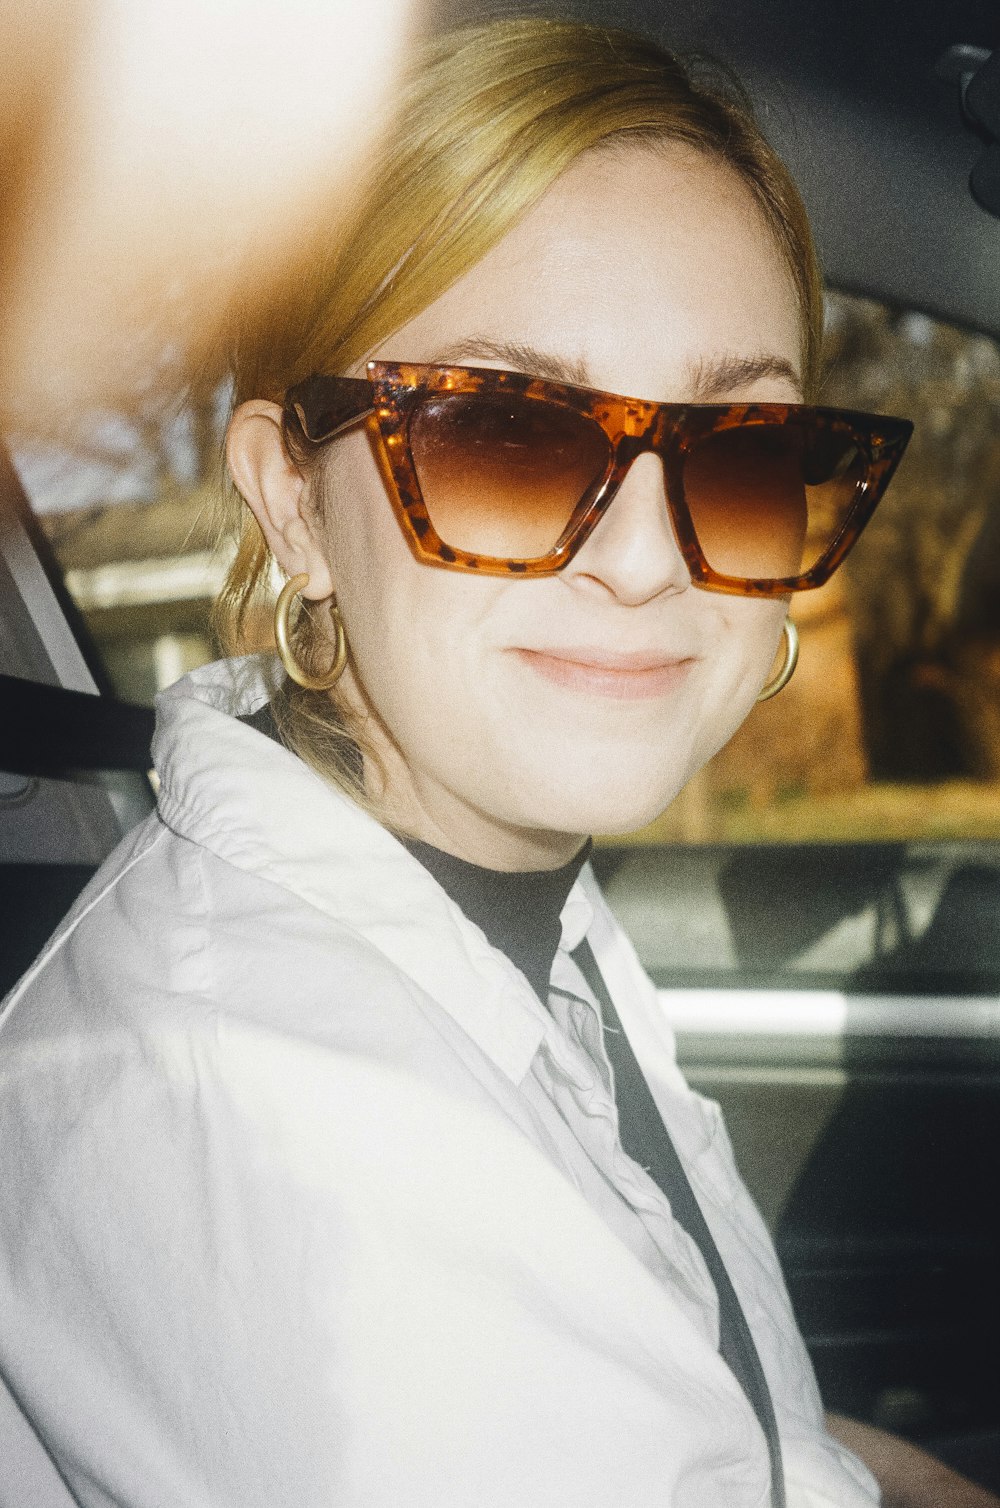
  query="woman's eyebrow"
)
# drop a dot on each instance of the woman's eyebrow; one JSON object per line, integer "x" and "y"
{"x": 709, "y": 378}
{"x": 717, "y": 376}
{"x": 517, "y": 356}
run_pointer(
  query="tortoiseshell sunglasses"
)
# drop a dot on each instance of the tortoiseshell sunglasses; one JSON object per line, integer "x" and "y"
{"x": 506, "y": 474}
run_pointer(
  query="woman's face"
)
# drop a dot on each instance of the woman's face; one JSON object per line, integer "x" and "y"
{"x": 512, "y": 716}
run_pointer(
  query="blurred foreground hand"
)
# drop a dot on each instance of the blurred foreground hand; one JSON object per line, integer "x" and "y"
{"x": 158, "y": 155}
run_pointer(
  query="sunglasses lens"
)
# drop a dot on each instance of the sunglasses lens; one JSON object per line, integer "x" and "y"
{"x": 767, "y": 500}
{"x": 501, "y": 474}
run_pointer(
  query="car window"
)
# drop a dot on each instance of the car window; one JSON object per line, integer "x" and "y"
{"x": 129, "y": 505}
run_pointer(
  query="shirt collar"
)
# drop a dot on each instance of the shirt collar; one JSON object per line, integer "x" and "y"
{"x": 578, "y": 912}
{"x": 260, "y": 808}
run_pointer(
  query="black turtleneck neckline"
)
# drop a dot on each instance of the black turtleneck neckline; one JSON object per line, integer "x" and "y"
{"x": 520, "y": 912}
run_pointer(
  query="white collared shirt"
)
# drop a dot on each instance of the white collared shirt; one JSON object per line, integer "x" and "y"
{"x": 309, "y": 1201}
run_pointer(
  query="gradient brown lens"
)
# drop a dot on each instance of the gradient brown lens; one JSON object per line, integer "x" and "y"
{"x": 767, "y": 501}
{"x": 500, "y": 475}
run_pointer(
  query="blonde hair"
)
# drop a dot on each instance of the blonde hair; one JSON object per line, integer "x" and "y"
{"x": 490, "y": 116}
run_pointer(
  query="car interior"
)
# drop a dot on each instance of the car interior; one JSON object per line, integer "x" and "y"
{"x": 820, "y": 911}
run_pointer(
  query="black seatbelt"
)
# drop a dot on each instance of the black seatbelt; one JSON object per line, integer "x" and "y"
{"x": 50, "y": 730}
{"x": 648, "y": 1142}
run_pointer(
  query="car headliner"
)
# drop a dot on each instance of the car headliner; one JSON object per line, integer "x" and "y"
{"x": 848, "y": 94}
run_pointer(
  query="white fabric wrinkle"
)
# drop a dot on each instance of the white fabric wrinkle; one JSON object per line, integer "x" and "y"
{"x": 580, "y": 1012}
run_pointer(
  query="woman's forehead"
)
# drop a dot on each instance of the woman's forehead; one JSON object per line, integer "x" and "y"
{"x": 638, "y": 269}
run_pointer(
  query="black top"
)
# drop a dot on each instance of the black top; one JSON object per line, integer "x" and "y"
{"x": 519, "y": 911}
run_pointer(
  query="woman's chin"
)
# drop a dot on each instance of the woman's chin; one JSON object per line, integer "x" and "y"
{"x": 619, "y": 823}
{"x": 611, "y": 813}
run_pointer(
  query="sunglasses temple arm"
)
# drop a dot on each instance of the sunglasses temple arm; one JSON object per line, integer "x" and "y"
{"x": 324, "y": 406}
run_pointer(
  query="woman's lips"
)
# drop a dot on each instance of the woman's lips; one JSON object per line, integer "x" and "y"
{"x": 629, "y": 677}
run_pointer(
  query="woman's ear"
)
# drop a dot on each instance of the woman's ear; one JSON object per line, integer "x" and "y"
{"x": 276, "y": 492}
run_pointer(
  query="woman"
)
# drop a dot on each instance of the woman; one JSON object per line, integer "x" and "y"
{"x": 316, "y": 1187}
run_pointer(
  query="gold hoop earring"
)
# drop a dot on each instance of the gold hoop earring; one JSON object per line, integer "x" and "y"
{"x": 780, "y": 681}
{"x": 301, "y": 677}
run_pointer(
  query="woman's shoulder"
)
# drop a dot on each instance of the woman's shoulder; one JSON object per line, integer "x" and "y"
{"x": 169, "y": 942}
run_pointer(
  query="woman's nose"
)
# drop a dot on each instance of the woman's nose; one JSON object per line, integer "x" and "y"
{"x": 633, "y": 551}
